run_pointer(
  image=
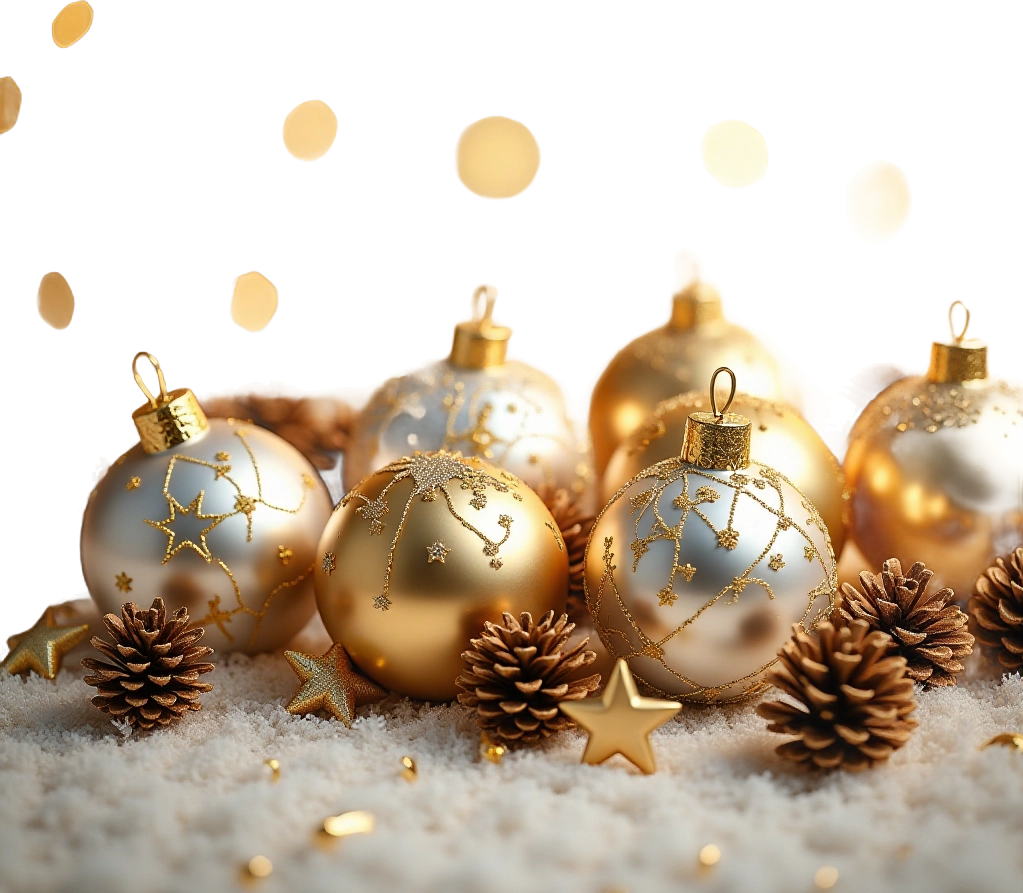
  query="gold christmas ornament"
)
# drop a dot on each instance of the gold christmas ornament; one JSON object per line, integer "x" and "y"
{"x": 330, "y": 683}
{"x": 674, "y": 358}
{"x": 43, "y": 647}
{"x": 475, "y": 402}
{"x": 202, "y": 513}
{"x": 935, "y": 468}
{"x": 781, "y": 438}
{"x": 620, "y": 720}
{"x": 697, "y": 568}
{"x": 420, "y": 554}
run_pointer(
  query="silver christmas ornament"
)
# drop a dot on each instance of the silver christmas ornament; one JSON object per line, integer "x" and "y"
{"x": 216, "y": 515}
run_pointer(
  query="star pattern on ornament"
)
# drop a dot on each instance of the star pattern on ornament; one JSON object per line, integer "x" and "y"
{"x": 221, "y": 471}
{"x": 777, "y": 562}
{"x": 284, "y": 555}
{"x": 166, "y": 527}
{"x": 809, "y": 552}
{"x": 382, "y": 603}
{"x": 308, "y": 482}
{"x": 739, "y": 584}
{"x": 223, "y": 456}
{"x": 332, "y": 684}
{"x": 328, "y": 564}
{"x": 42, "y": 648}
{"x": 666, "y": 598}
{"x": 123, "y": 582}
{"x": 436, "y": 552}
{"x": 134, "y": 483}
{"x": 728, "y": 538}
{"x": 497, "y": 563}
{"x": 620, "y": 721}
{"x": 687, "y": 571}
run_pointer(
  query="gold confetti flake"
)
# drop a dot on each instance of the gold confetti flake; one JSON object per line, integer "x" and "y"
{"x": 254, "y": 302}
{"x": 490, "y": 750}
{"x": 275, "y": 769}
{"x": 72, "y": 24}
{"x": 10, "y": 103}
{"x": 309, "y": 130}
{"x": 409, "y": 770}
{"x": 497, "y": 157}
{"x": 55, "y": 301}
{"x": 734, "y": 154}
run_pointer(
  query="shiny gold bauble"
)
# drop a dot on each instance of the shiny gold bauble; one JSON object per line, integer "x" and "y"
{"x": 215, "y": 515}
{"x": 780, "y": 438}
{"x": 478, "y": 403}
{"x": 676, "y": 357}
{"x": 421, "y": 553}
{"x": 697, "y": 568}
{"x": 935, "y": 469}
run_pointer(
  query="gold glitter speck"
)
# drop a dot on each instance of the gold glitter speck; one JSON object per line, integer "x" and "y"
{"x": 275, "y": 769}
{"x": 134, "y": 483}
{"x": 409, "y": 770}
{"x": 223, "y": 457}
{"x": 284, "y": 554}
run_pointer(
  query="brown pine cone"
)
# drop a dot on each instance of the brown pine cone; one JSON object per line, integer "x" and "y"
{"x": 575, "y": 525}
{"x": 865, "y": 384}
{"x": 518, "y": 674}
{"x": 318, "y": 427}
{"x": 996, "y": 609}
{"x": 153, "y": 677}
{"x": 854, "y": 698}
{"x": 926, "y": 628}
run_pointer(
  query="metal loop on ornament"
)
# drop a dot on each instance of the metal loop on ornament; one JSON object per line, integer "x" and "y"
{"x": 713, "y": 397}
{"x": 951, "y": 324}
{"x": 164, "y": 396}
{"x": 484, "y": 318}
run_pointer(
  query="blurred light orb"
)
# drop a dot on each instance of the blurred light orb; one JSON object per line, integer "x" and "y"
{"x": 55, "y": 301}
{"x": 255, "y": 301}
{"x": 877, "y": 200}
{"x": 734, "y": 153}
{"x": 72, "y": 24}
{"x": 10, "y": 104}
{"x": 309, "y": 130}
{"x": 497, "y": 157}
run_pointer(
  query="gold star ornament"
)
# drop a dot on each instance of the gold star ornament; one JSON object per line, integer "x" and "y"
{"x": 621, "y": 720}
{"x": 331, "y": 683}
{"x": 43, "y": 647}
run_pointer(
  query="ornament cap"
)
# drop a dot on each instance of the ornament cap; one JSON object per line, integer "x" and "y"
{"x": 479, "y": 343}
{"x": 696, "y": 305}
{"x": 718, "y": 439}
{"x": 168, "y": 419}
{"x": 962, "y": 359}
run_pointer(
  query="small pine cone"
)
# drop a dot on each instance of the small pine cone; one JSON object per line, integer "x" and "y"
{"x": 926, "y": 628}
{"x": 518, "y": 674}
{"x": 854, "y": 698}
{"x": 153, "y": 677}
{"x": 996, "y": 609}
{"x": 868, "y": 383}
{"x": 575, "y": 524}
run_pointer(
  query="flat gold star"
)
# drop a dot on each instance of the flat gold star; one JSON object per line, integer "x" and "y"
{"x": 621, "y": 720}
{"x": 331, "y": 683}
{"x": 43, "y": 647}
{"x": 123, "y": 582}
{"x": 194, "y": 508}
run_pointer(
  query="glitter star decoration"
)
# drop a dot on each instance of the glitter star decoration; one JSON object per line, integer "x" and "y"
{"x": 777, "y": 562}
{"x": 809, "y": 552}
{"x": 123, "y": 582}
{"x": 284, "y": 554}
{"x": 330, "y": 683}
{"x": 666, "y": 598}
{"x": 329, "y": 563}
{"x": 687, "y": 571}
{"x": 177, "y": 510}
{"x": 620, "y": 721}
{"x": 436, "y": 552}
{"x": 43, "y": 647}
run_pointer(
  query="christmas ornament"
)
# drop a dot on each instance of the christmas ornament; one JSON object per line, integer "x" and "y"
{"x": 330, "y": 683}
{"x": 854, "y": 699}
{"x": 996, "y": 609}
{"x": 781, "y": 438}
{"x": 674, "y": 358}
{"x": 519, "y": 672}
{"x": 925, "y": 629}
{"x": 477, "y": 403}
{"x": 725, "y": 555}
{"x": 620, "y": 721}
{"x": 216, "y": 515}
{"x": 153, "y": 675}
{"x": 935, "y": 467}
{"x": 420, "y": 554}
{"x": 42, "y": 648}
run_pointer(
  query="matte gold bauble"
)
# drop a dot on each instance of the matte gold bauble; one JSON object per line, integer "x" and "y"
{"x": 935, "y": 469}
{"x": 421, "y": 553}
{"x": 676, "y": 357}
{"x": 478, "y": 403}
{"x": 214, "y": 515}
{"x": 781, "y": 438}
{"x": 697, "y": 568}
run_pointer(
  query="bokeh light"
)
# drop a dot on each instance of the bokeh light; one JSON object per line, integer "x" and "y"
{"x": 309, "y": 130}
{"x": 497, "y": 157}
{"x": 255, "y": 301}
{"x": 55, "y": 301}
{"x": 10, "y": 104}
{"x": 72, "y": 23}
{"x": 877, "y": 200}
{"x": 734, "y": 153}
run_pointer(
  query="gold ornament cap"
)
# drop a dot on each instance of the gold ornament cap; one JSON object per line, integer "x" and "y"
{"x": 479, "y": 343}
{"x": 961, "y": 359}
{"x": 170, "y": 419}
{"x": 695, "y": 303}
{"x": 717, "y": 439}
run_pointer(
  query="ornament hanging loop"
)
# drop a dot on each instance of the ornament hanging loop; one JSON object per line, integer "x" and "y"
{"x": 164, "y": 396}
{"x": 483, "y": 315}
{"x": 957, "y": 338}
{"x": 719, "y": 413}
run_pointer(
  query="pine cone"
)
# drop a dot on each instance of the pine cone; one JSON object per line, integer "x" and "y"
{"x": 518, "y": 674}
{"x": 854, "y": 698}
{"x": 318, "y": 427}
{"x": 575, "y": 525}
{"x": 996, "y": 609}
{"x": 868, "y": 383}
{"x": 154, "y": 675}
{"x": 925, "y": 628}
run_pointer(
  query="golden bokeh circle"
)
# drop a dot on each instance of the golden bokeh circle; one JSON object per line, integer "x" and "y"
{"x": 309, "y": 130}
{"x": 72, "y": 23}
{"x": 55, "y": 301}
{"x": 877, "y": 200}
{"x": 254, "y": 302}
{"x": 734, "y": 153}
{"x": 10, "y": 104}
{"x": 497, "y": 157}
